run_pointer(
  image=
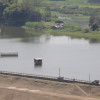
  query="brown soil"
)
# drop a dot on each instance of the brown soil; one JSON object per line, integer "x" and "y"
{"x": 19, "y": 88}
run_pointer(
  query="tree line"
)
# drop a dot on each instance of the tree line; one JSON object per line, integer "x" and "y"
{"x": 15, "y": 13}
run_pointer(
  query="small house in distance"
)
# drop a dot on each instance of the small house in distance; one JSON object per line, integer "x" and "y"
{"x": 59, "y": 26}
{"x": 38, "y": 61}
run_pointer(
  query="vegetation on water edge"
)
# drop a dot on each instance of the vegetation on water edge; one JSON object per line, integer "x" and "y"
{"x": 92, "y": 35}
{"x": 73, "y": 31}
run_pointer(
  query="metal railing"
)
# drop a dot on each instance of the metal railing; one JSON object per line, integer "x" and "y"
{"x": 62, "y": 79}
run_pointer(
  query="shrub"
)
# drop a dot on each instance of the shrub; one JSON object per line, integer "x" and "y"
{"x": 86, "y": 30}
{"x": 59, "y": 21}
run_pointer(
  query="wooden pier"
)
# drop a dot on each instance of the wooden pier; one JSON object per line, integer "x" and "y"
{"x": 67, "y": 80}
{"x": 9, "y": 54}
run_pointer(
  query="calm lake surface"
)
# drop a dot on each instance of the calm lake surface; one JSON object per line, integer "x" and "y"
{"x": 76, "y": 58}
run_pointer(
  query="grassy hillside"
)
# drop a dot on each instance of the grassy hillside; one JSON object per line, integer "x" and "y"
{"x": 80, "y": 3}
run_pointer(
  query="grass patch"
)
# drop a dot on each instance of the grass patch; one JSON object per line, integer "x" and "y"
{"x": 79, "y": 17}
{"x": 80, "y": 3}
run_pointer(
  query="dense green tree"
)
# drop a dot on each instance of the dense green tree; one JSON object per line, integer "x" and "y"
{"x": 91, "y": 20}
{"x": 31, "y": 4}
{"x": 3, "y": 5}
{"x": 34, "y": 7}
{"x": 31, "y": 9}
{"x": 94, "y": 22}
{"x": 59, "y": 21}
{"x": 95, "y": 26}
{"x": 14, "y": 15}
{"x": 47, "y": 14}
{"x": 7, "y": 2}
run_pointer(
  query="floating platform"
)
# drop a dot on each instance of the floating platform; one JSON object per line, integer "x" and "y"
{"x": 9, "y": 54}
{"x": 38, "y": 61}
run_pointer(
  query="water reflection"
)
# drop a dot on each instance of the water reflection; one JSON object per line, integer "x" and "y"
{"x": 10, "y": 31}
{"x": 38, "y": 39}
{"x": 17, "y": 32}
{"x": 94, "y": 41}
{"x": 38, "y": 66}
{"x": 33, "y": 33}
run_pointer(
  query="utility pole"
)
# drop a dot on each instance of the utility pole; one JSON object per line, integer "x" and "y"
{"x": 90, "y": 84}
{"x": 89, "y": 78}
{"x": 59, "y": 72}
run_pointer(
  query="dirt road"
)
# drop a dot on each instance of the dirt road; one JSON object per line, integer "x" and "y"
{"x": 18, "y": 88}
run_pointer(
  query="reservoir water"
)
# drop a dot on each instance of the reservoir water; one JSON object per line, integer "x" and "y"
{"x": 76, "y": 58}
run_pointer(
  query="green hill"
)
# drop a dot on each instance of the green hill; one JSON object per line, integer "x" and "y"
{"x": 80, "y": 3}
